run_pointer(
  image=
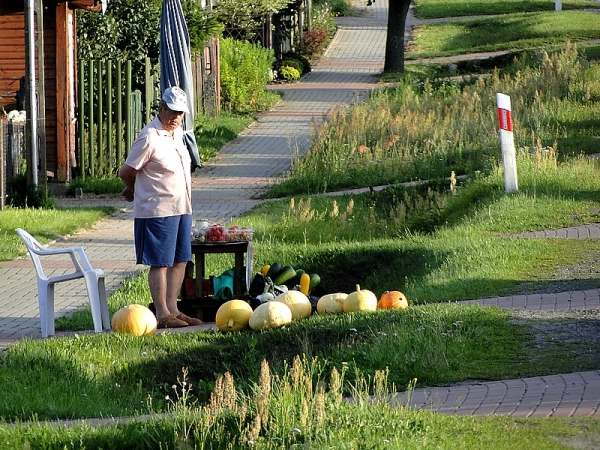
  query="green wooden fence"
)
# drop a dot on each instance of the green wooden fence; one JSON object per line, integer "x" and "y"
{"x": 110, "y": 114}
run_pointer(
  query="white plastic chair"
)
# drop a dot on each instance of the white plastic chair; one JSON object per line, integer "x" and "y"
{"x": 94, "y": 280}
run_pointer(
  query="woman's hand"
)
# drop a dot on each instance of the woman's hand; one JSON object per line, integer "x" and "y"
{"x": 128, "y": 194}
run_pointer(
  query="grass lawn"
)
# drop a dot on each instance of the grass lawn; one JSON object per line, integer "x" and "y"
{"x": 45, "y": 224}
{"x": 502, "y": 32}
{"x": 432, "y": 9}
{"x": 449, "y": 238}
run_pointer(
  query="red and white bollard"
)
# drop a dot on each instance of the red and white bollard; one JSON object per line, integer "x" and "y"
{"x": 507, "y": 143}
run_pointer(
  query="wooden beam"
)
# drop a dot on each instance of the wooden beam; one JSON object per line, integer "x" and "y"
{"x": 90, "y": 5}
{"x": 65, "y": 92}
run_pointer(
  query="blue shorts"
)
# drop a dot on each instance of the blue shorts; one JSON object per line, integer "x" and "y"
{"x": 163, "y": 241}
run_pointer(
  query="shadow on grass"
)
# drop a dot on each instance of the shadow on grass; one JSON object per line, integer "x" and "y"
{"x": 151, "y": 366}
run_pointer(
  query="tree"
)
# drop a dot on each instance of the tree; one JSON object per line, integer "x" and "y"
{"x": 247, "y": 16}
{"x": 394, "y": 45}
{"x": 128, "y": 30}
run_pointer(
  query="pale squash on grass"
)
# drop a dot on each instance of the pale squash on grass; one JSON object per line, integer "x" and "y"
{"x": 270, "y": 315}
{"x": 298, "y": 303}
{"x": 233, "y": 315}
{"x": 134, "y": 319}
{"x": 360, "y": 300}
{"x": 331, "y": 303}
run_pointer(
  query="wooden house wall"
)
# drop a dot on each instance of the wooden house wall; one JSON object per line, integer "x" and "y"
{"x": 13, "y": 67}
{"x": 12, "y": 54}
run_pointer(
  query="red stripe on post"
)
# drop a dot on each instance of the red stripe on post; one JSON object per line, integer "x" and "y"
{"x": 505, "y": 119}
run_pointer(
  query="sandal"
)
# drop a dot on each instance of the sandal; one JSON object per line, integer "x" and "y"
{"x": 187, "y": 319}
{"x": 171, "y": 322}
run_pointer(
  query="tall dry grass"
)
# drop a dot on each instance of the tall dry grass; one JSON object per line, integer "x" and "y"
{"x": 427, "y": 129}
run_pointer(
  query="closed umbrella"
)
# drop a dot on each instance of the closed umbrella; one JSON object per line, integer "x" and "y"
{"x": 176, "y": 66}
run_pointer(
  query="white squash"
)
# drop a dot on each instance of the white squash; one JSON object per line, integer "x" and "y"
{"x": 298, "y": 303}
{"x": 270, "y": 315}
{"x": 266, "y": 297}
{"x": 331, "y": 303}
{"x": 360, "y": 300}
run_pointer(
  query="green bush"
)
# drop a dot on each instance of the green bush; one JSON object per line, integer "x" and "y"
{"x": 245, "y": 72}
{"x": 22, "y": 194}
{"x": 96, "y": 185}
{"x": 288, "y": 73}
{"x": 293, "y": 62}
{"x": 323, "y": 17}
{"x": 306, "y": 65}
{"x": 339, "y": 7}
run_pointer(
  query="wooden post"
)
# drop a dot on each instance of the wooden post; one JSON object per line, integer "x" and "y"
{"x": 149, "y": 89}
{"x": 81, "y": 121}
{"x": 128, "y": 122}
{"x": 65, "y": 93}
{"x": 100, "y": 119}
{"x": 119, "y": 112}
{"x": 110, "y": 149}
{"x": 91, "y": 160}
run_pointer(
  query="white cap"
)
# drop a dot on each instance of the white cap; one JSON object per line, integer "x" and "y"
{"x": 176, "y": 99}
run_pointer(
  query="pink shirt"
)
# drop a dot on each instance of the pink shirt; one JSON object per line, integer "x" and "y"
{"x": 163, "y": 180}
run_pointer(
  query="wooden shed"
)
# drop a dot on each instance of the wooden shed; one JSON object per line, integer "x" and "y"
{"x": 59, "y": 39}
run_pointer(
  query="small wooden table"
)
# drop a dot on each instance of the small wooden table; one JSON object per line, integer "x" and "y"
{"x": 202, "y": 305}
{"x": 200, "y": 250}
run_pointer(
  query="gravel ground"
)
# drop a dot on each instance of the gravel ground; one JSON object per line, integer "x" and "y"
{"x": 566, "y": 340}
{"x": 571, "y": 338}
{"x": 573, "y": 334}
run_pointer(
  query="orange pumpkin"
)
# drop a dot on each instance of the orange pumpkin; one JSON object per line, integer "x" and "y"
{"x": 392, "y": 300}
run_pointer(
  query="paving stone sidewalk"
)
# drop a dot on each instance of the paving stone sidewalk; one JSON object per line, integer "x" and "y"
{"x": 231, "y": 184}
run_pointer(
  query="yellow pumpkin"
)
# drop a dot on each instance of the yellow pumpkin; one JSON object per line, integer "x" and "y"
{"x": 270, "y": 315}
{"x": 392, "y": 300}
{"x": 360, "y": 300}
{"x": 298, "y": 303}
{"x": 233, "y": 315}
{"x": 134, "y": 319}
{"x": 331, "y": 303}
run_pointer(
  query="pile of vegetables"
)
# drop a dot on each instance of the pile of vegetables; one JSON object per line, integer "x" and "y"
{"x": 295, "y": 305}
{"x": 236, "y": 315}
{"x": 280, "y": 279}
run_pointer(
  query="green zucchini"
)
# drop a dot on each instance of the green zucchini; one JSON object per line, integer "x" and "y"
{"x": 314, "y": 282}
{"x": 274, "y": 270}
{"x": 287, "y": 273}
{"x": 296, "y": 280}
